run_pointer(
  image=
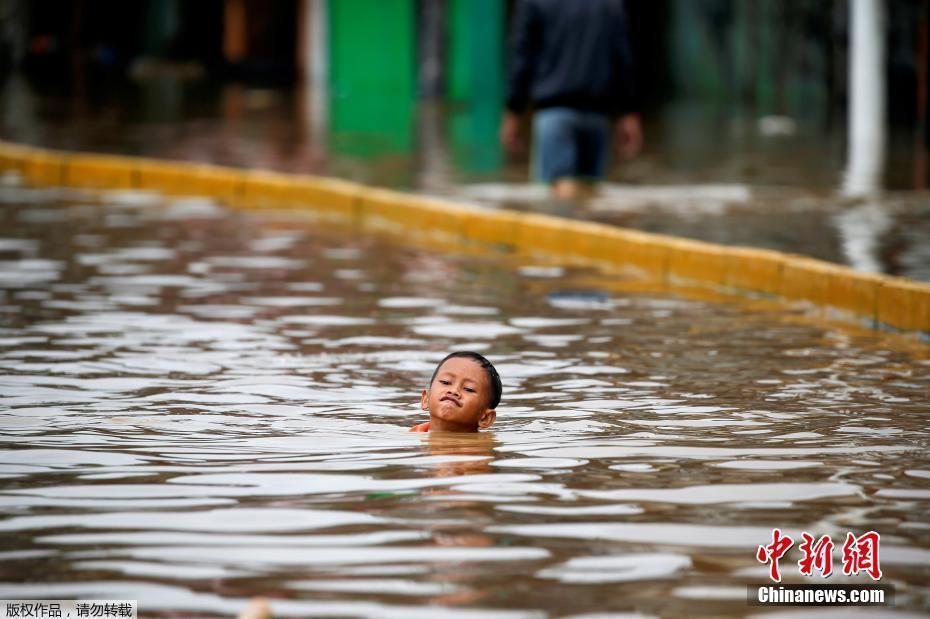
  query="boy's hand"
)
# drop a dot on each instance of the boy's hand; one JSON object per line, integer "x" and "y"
{"x": 629, "y": 136}
{"x": 510, "y": 132}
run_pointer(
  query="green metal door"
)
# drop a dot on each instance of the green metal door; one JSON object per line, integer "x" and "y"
{"x": 372, "y": 71}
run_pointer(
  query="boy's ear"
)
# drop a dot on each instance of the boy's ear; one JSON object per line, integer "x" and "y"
{"x": 487, "y": 418}
{"x": 424, "y": 400}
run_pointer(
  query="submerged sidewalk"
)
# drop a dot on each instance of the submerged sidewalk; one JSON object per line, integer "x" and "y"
{"x": 703, "y": 175}
{"x": 876, "y": 300}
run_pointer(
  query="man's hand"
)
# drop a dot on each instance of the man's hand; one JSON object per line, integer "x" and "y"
{"x": 629, "y": 136}
{"x": 510, "y": 132}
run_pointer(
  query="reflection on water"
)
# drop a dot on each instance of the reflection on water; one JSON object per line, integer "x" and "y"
{"x": 200, "y": 406}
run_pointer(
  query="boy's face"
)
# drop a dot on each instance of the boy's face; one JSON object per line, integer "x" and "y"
{"x": 457, "y": 400}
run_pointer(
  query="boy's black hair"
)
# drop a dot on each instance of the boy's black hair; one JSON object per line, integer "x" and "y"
{"x": 494, "y": 378}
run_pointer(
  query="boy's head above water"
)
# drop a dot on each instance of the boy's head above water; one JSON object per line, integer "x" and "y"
{"x": 462, "y": 394}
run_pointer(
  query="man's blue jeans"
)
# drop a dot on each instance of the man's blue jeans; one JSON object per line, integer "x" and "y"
{"x": 570, "y": 143}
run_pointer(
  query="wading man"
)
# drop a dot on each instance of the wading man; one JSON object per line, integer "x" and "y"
{"x": 571, "y": 62}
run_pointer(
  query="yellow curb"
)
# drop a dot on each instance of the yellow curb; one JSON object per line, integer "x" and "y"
{"x": 100, "y": 171}
{"x": 331, "y": 195}
{"x": 831, "y": 285}
{"x": 904, "y": 304}
{"x": 856, "y": 293}
{"x": 646, "y": 253}
{"x": 886, "y": 301}
{"x": 383, "y": 208}
{"x": 579, "y": 238}
{"x": 697, "y": 261}
{"x": 806, "y": 279}
{"x": 754, "y": 270}
{"x": 449, "y": 218}
{"x": 190, "y": 179}
{"x": 13, "y": 156}
{"x": 44, "y": 168}
{"x": 262, "y": 189}
{"x": 493, "y": 227}
{"x": 541, "y": 234}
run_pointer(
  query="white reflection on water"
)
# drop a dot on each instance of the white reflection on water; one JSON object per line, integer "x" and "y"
{"x": 289, "y": 556}
{"x": 671, "y": 534}
{"x": 728, "y": 493}
{"x": 225, "y": 520}
{"x": 618, "y": 568}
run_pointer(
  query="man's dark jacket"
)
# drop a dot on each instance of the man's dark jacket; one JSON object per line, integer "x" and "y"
{"x": 571, "y": 53}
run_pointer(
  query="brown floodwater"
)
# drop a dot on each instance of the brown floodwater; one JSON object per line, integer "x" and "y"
{"x": 201, "y": 405}
{"x": 714, "y": 173}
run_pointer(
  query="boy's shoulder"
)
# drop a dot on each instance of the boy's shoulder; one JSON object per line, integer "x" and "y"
{"x": 420, "y": 427}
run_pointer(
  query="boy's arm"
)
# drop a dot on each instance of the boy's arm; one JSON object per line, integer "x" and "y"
{"x": 420, "y": 427}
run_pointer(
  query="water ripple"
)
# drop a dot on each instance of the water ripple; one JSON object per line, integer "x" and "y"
{"x": 201, "y": 405}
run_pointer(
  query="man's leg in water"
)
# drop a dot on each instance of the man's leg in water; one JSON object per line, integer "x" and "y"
{"x": 573, "y": 189}
{"x": 571, "y": 151}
